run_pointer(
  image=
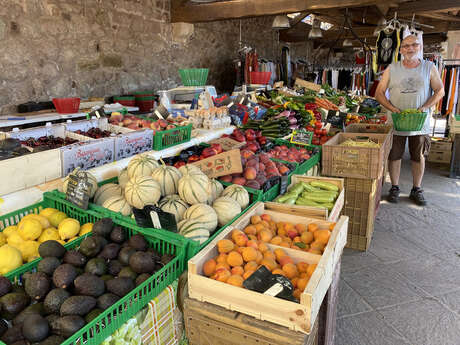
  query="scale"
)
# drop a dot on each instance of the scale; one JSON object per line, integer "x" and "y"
{"x": 182, "y": 97}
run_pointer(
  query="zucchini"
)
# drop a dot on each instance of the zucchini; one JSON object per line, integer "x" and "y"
{"x": 325, "y": 185}
{"x": 318, "y": 198}
{"x": 308, "y": 187}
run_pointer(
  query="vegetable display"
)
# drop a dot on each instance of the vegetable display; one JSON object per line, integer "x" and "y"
{"x": 360, "y": 143}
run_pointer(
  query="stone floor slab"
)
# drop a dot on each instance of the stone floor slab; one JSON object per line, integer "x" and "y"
{"x": 354, "y": 260}
{"x": 451, "y": 300}
{"x": 349, "y": 301}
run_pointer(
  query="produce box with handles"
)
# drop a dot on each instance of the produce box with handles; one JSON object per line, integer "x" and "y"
{"x": 408, "y": 120}
{"x": 102, "y": 324}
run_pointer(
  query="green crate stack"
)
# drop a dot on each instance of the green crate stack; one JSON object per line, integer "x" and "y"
{"x": 114, "y": 317}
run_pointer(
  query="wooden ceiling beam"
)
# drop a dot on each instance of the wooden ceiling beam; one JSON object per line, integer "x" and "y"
{"x": 408, "y": 8}
{"x": 183, "y": 11}
{"x": 440, "y": 16}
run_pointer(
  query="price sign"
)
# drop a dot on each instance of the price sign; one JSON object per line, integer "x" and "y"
{"x": 154, "y": 217}
{"x": 97, "y": 113}
{"x": 336, "y": 119}
{"x": 78, "y": 189}
{"x": 160, "y": 113}
{"x": 301, "y": 137}
{"x": 283, "y": 185}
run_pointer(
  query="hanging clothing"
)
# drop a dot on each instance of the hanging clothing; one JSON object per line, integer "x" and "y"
{"x": 387, "y": 42}
{"x": 334, "y": 78}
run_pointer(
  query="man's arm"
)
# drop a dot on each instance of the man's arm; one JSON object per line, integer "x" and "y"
{"x": 437, "y": 87}
{"x": 380, "y": 92}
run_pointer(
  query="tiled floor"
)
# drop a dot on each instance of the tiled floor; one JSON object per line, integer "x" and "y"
{"x": 406, "y": 288}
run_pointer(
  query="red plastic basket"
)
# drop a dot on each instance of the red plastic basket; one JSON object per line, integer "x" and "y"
{"x": 260, "y": 77}
{"x": 67, "y": 105}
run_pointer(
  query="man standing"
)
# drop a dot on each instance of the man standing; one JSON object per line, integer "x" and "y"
{"x": 412, "y": 84}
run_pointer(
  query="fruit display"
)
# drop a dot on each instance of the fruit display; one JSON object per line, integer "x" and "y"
{"x": 360, "y": 143}
{"x": 11, "y": 148}
{"x": 261, "y": 243}
{"x": 290, "y": 154}
{"x": 70, "y": 288}
{"x": 95, "y": 133}
{"x": 19, "y": 244}
{"x": 313, "y": 193}
{"x": 354, "y": 118}
{"x": 136, "y": 123}
{"x": 47, "y": 142}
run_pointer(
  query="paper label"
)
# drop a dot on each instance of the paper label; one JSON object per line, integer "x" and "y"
{"x": 308, "y": 85}
{"x": 155, "y": 220}
{"x": 228, "y": 143}
{"x": 78, "y": 189}
{"x": 301, "y": 137}
{"x": 224, "y": 163}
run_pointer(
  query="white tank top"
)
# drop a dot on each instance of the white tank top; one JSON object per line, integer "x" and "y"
{"x": 410, "y": 88}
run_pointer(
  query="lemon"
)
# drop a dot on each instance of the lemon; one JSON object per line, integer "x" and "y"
{"x": 47, "y": 212}
{"x": 85, "y": 228}
{"x": 49, "y": 234}
{"x": 2, "y": 239}
{"x": 68, "y": 228}
{"x": 29, "y": 249}
{"x": 9, "y": 230}
{"x": 30, "y": 229}
{"x": 11, "y": 258}
{"x": 56, "y": 218}
{"x": 15, "y": 240}
{"x": 43, "y": 220}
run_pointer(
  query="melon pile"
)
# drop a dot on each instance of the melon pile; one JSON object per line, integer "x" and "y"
{"x": 198, "y": 203}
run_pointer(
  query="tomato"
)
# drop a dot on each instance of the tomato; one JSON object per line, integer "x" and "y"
{"x": 318, "y": 124}
{"x": 324, "y": 132}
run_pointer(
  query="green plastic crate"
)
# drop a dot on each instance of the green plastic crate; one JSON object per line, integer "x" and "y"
{"x": 194, "y": 76}
{"x": 114, "y": 317}
{"x": 308, "y": 164}
{"x": 172, "y": 137}
{"x": 408, "y": 122}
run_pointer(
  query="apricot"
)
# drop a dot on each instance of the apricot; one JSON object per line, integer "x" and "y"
{"x": 279, "y": 271}
{"x": 285, "y": 244}
{"x": 259, "y": 227}
{"x": 222, "y": 275}
{"x": 269, "y": 263}
{"x": 259, "y": 258}
{"x": 253, "y": 243}
{"x": 332, "y": 226}
{"x": 312, "y": 227}
{"x": 221, "y": 265}
{"x": 241, "y": 240}
{"x": 311, "y": 268}
{"x": 250, "y": 230}
{"x": 290, "y": 270}
{"x": 239, "y": 249}
{"x": 296, "y": 293}
{"x": 294, "y": 282}
{"x": 255, "y": 220}
{"x": 322, "y": 236}
{"x": 251, "y": 266}
{"x": 269, "y": 255}
{"x": 303, "y": 275}
{"x": 296, "y": 239}
{"x": 263, "y": 247}
{"x": 252, "y": 238}
{"x": 237, "y": 270}
{"x": 222, "y": 258}
{"x": 265, "y": 236}
{"x": 234, "y": 259}
{"x": 315, "y": 251}
{"x": 209, "y": 267}
{"x": 279, "y": 253}
{"x": 247, "y": 274}
{"x": 302, "y": 267}
{"x": 317, "y": 245}
{"x": 249, "y": 254}
{"x": 265, "y": 224}
{"x": 276, "y": 240}
{"x": 282, "y": 232}
{"x": 235, "y": 233}
{"x": 302, "y": 283}
{"x": 285, "y": 260}
{"x": 279, "y": 226}
{"x": 306, "y": 237}
{"x": 266, "y": 217}
{"x": 225, "y": 246}
{"x": 300, "y": 228}
{"x": 295, "y": 247}
{"x": 272, "y": 225}
{"x": 235, "y": 280}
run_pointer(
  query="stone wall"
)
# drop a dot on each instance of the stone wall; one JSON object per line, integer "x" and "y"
{"x": 95, "y": 48}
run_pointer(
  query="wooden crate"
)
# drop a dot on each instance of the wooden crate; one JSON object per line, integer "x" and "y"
{"x": 208, "y": 324}
{"x": 299, "y": 317}
{"x": 359, "y": 242}
{"x": 374, "y": 128}
{"x": 358, "y": 162}
{"x": 311, "y": 211}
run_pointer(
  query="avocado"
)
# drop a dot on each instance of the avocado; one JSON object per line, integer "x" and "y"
{"x": 35, "y": 328}
{"x": 54, "y": 300}
{"x": 37, "y": 308}
{"x": 37, "y": 285}
{"x": 48, "y": 265}
{"x": 110, "y": 251}
{"x": 120, "y": 286}
{"x": 124, "y": 255}
{"x": 50, "y": 318}
{"x": 138, "y": 242}
{"x": 96, "y": 266}
{"x": 78, "y": 305}
{"x": 92, "y": 315}
{"x": 103, "y": 227}
{"x": 89, "y": 285}
{"x": 67, "y": 325}
{"x": 12, "y": 335}
{"x": 5, "y": 286}
{"x": 90, "y": 247}
{"x": 75, "y": 258}
{"x": 21, "y": 342}
{"x": 142, "y": 262}
{"x": 165, "y": 258}
{"x": 20, "y": 288}
{"x": 51, "y": 248}
{"x": 106, "y": 277}
{"x": 101, "y": 240}
{"x": 156, "y": 255}
{"x": 13, "y": 303}
{"x": 53, "y": 340}
{"x": 3, "y": 327}
{"x": 64, "y": 276}
{"x": 106, "y": 300}
{"x": 142, "y": 278}
{"x": 114, "y": 267}
{"x": 127, "y": 272}
{"x": 117, "y": 235}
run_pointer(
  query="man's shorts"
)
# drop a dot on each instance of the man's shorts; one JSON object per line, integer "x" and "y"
{"x": 419, "y": 145}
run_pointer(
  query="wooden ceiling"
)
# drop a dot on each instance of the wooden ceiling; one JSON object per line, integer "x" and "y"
{"x": 442, "y": 15}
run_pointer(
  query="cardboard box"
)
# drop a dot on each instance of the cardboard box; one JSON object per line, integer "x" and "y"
{"x": 224, "y": 163}
{"x": 439, "y": 156}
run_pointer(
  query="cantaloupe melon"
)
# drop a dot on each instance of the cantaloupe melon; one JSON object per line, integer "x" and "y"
{"x": 118, "y": 204}
{"x": 142, "y": 165}
{"x": 189, "y": 169}
{"x": 91, "y": 179}
{"x": 237, "y": 193}
{"x": 168, "y": 177}
{"x": 226, "y": 209}
{"x": 193, "y": 188}
{"x": 141, "y": 191}
{"x": 106, "y": 191}
{"x": 175, "y": 205}
{"x": 193, "y": 230}
{"x": 215, "y": 190}
{"x": 204, "y": 214}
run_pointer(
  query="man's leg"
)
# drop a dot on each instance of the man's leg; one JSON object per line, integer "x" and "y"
{"x": 418, "y": 168}
{"x": 419, "y": 145}
{"x": 394, "y": 166}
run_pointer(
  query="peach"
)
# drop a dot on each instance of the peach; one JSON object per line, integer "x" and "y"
{"x": 250, "y": 173}
{"x": 239, "y": 180}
